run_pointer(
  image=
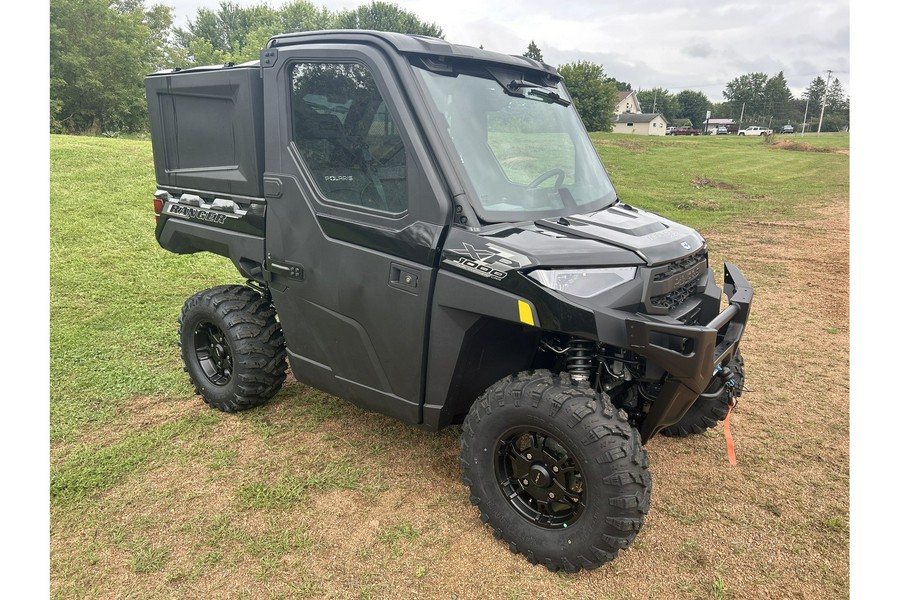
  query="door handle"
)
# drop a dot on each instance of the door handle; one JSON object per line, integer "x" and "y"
{"x": 404, "y": 278}
{"x": 288, "y": 270}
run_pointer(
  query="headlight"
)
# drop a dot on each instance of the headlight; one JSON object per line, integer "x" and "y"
{"x": 584, "y": 283}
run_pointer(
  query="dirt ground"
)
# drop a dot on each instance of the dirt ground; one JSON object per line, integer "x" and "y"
{"x": 774, "y": 526}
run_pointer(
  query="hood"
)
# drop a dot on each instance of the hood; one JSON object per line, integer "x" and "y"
{"x": 613, "y": 237}
{"x": 654, "y": 239}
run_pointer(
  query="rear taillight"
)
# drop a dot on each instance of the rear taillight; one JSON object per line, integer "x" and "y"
{"x": 157, "y": 207}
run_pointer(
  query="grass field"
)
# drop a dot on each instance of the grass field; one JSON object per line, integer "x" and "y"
{"x": 155, "y": 496}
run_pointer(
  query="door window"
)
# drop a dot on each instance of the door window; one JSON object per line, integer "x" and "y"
{"x": 347, "y": 137}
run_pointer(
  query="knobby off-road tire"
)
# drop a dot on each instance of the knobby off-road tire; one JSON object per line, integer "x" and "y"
{"x": 232, "y": 346}
{"x": 555, "y": 470}
{"x": 707, "y": 412}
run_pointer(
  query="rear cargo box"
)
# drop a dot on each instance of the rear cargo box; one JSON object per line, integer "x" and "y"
{"x": 206, "y": 126}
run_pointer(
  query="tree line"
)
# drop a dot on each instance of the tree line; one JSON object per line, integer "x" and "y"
{"x": 100, "y": 51}
{"x": 752, "y": 99}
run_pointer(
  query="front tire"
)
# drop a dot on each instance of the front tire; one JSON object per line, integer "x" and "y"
{"x": 232, "y": 347}
{"x": 555, "y": 470}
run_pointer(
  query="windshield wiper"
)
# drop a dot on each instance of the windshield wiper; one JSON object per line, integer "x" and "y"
{"x": 549, "y": 96}
{"x": 518, "y": 84}
{"x": 538, "y": 90}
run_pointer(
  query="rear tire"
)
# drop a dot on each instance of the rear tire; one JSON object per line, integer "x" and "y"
{"x": 707, "y": 412}
{"x": 556, "y": 470}
{"x": 232, "y": 347}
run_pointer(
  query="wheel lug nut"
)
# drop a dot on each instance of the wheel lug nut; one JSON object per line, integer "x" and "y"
{"x": 525, "y": 482}
{"x": 551, "y": 495}
{"x": 528, "y": 456}
{"x": 555, "y": 469}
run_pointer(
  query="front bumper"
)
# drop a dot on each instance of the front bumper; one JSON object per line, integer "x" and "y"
{"x": 689, "y": 354}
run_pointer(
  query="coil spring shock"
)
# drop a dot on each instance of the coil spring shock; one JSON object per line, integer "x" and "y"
{"x": 581, "y": 361}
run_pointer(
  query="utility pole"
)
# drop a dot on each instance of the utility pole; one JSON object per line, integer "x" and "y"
{"x": 654, "y": 101}
{"x": 741, "y": 120}
{"x": 824, "y": 97}
{"x": 803, "y": 129}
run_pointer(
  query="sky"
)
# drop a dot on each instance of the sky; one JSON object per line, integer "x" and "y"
{"x": 673, "y": 44}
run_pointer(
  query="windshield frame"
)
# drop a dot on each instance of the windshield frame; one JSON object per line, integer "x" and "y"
{"x": 547, "y": 83}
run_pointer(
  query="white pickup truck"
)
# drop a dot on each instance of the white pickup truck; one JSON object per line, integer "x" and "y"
{"x": 755, "y": 130}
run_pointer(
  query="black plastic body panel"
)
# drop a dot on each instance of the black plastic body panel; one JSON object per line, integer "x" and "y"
{"x": 356, "y": 325}
{"x": 207, "y": 129}
{"x": 246, "y": 251}
{"x": 231, "y": 227}
{"x": 414, "y": 314}
{"x": 692, "y": 370}
{"x": 476, "y": 338}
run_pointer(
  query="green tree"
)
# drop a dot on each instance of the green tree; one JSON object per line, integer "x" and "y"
{"x": 593, "y": 95}
{"x": 534, "y": 52}
{"x": 302, "y": 15}
{"x": 836, "y": 100}
{"x": 229, "y": 33}
{"x": 779, "y": 98}
{"x": 622, "y": 86}
{"x": 100, "y": 52}
{"x": 748, "y": 91}
{"x": 693, "y": 105}
{"x": 234, "y": 33}
{"x": 837, "y": 109}
{"x": 814, "y": 92}
{"x": 384, "y": 16}
{"x": 659, "y": 100}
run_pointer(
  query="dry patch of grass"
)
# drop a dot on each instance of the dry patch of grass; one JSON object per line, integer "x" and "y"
{"x": 630, "y": 145}
{"x": 802, "y": 147}
{"x": 704, "y": 182}
{"x": 698, "y": 204}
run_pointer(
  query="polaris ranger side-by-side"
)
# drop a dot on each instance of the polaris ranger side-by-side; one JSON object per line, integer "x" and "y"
{"x": 427, "y": 231}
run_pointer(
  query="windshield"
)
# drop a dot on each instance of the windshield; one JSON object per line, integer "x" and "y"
{"x": 526, "y": 155}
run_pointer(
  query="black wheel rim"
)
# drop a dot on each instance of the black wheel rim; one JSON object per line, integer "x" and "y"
{"x": 213, "y": 353}
{"x": 540, "y": 478}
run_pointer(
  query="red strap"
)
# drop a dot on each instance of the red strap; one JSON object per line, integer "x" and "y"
{"x": 729, "y": 441}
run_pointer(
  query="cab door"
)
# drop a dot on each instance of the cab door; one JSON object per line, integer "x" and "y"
{"x": 354, "y": 222}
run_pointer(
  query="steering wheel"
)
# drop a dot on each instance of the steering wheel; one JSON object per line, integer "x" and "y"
{"x": 558, "y": 173}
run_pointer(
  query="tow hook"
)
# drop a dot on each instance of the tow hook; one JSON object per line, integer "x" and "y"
{"x": 727, "y": 377}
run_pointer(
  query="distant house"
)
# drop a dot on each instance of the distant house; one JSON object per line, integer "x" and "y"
{"x": 640, "y": 123}
{"x": 627, "y": 102}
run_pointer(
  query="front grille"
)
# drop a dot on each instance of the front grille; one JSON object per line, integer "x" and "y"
{"x": 679, "y": 266}
{"x": 672, "y": 284}
{"x": 674, "y": 298}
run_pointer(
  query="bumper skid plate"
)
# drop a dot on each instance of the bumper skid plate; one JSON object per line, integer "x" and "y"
{"x": 690, "y": 354}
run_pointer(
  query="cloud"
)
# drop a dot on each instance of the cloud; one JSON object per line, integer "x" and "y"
{"x": 679, "y": 44}
{"x": 698, "y": 50}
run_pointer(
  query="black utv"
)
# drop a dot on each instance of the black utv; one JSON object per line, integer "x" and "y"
{"x": 427, "y": 231}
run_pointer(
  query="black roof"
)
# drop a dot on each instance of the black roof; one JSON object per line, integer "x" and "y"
{"x": 409, "y": 44}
